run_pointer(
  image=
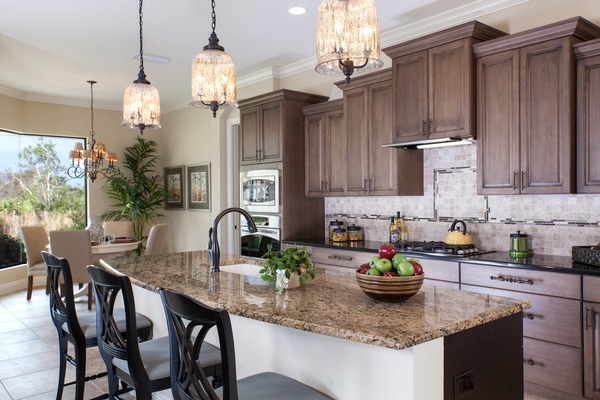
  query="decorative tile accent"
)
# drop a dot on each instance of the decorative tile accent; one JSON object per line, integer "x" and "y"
{"x": 554, "y": 223}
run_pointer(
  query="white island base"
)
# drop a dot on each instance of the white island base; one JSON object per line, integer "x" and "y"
{"x": 342, "y": 369}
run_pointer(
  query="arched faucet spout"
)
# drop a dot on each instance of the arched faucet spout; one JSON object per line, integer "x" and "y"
{"x": 213, "y": 242}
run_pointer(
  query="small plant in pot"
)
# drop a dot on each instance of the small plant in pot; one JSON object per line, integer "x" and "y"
{"x": 287, "y": 268}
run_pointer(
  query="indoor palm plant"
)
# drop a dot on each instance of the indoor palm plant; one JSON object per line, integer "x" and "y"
{"x": 281, "y": 268}
{"x": 139, "y": 193}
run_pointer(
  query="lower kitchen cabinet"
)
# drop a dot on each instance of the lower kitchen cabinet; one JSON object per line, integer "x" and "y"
{"x": 552, "y": 346}
{"x": 441, "y": 273}
{"x": 591, "y": 336}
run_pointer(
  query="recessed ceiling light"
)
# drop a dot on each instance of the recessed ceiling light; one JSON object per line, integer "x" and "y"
{"x": 297, "y": 10}
{"x": 152, "y": 58}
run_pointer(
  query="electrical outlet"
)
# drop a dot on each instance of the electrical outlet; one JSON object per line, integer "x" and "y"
{"x": 463, "y": 384}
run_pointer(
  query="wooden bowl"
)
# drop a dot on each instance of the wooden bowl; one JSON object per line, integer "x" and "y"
{"x": 390, "y": 289}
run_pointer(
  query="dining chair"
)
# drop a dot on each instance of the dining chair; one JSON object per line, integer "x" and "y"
{"x": 78, "y": 330}
{"x": 76, "y": 247}
{"x": 35, "y": 239}
{"x": 156, "y": 239}
{"x": 145, "y": 366}
{"x": 188, "y": 322}
{"x": 122, "y": 229}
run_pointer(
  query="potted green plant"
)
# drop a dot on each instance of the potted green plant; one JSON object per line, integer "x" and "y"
{"x": 287, "y": 268}
{"x": 139, "y": 193}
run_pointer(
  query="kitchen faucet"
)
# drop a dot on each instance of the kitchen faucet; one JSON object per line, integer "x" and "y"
{"x": 213, "y": 242}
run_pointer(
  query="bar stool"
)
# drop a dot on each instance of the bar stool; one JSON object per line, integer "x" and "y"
{"x": 80, "y": 331}
{"x": 143, "y": 366}
{"x": 184, "y": 316}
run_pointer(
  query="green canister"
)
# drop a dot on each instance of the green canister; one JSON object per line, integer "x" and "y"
{"x": 518, "y": 245}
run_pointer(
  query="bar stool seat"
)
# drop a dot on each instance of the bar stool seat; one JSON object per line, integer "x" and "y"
{"x": 270, "y": 385}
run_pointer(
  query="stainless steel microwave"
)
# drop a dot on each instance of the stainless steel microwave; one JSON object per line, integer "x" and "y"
{"x": 259, "y": 190}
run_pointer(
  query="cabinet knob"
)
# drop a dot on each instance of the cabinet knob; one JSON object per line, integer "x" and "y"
{"x": 529, "y": 362}
{"x": 529, "y": 316}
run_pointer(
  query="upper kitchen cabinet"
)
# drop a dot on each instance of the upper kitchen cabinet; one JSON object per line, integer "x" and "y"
{"x": 588, "y": 118}
{"x": 434, "y": 84}
{"x": 324, "y": 139}
{"x": 526, "y": 109}
{"x": 369, "y": 168}
{"x": 264, "y": 120}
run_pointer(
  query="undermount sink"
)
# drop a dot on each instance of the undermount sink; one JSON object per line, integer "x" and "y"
{"x": 242, "y": 269}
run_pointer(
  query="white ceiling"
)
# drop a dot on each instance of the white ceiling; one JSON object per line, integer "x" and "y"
{"x": 49, "y": 49}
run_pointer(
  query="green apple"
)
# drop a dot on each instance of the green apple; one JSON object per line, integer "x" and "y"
{"x": 373, "y": 261}
{"x": 406, "y": 269}
{"x": 384, "y": 265}
{"x": 397, "y": 259}
{"x": 374, "y": 271}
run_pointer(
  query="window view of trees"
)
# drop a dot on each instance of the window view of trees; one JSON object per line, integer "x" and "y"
{"x": 35, "y": 190}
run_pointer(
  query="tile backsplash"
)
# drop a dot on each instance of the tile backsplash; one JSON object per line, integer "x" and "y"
{"x": 554, "y": 223}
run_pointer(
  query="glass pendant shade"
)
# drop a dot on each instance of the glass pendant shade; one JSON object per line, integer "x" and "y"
{"x": 213, "y": 80}
{"x": 141, "y": 107}
{"x": 347, "y": 37}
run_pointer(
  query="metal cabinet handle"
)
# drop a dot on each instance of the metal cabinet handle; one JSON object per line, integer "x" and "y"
{"x": 523, "y": 179}
{"x": 514, "y": 180}
{"x": 429, "y": 122}
{"x": 588, "y": 311}
{"x": 370, "y": 185}
{"x": 529, "y": 316}
{"x": 424, "y": 127}
{"x": 365, "y": 185}
{"x": 326, "y": 186}
{"x": 529, "y": 362}
{"x": 340, "y": 258}
{"x": 511, "y": 280}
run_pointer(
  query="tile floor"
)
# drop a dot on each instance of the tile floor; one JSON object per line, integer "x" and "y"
{"x": 29, "y": 355}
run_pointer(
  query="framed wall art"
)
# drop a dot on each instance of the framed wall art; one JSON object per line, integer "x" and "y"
{"x": 175, "y": 188}
{"x": 198, "y": 187}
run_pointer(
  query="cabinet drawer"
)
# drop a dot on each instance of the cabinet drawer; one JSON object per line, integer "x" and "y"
{"x": 444, "y": 284}
{"x": 552, "y": 365}
{"x": 550, "y": 318}
{"x": 591, "y": 288}
{"x": 439, "y": 270}
{"x": 521, "y": 280}
{"x": 340, "y": 258}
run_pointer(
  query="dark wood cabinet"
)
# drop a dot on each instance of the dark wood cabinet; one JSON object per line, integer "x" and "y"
{"x": 261, "y": 133}
{"x": 324, "y": 143}
{"x": 434, "y": 84}
{"x": 526, "y": 114}
{"x": 369, "y": 168}
{"x": 588, "y": 118}
{"x": 591, "y": 336}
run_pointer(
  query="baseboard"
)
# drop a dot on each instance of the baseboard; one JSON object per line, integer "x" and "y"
{"x": 13, "y": 286}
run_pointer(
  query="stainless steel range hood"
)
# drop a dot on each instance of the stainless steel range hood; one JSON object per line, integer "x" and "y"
{"x": 432, "y": 143}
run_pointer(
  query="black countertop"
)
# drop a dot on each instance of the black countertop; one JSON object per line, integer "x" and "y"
{"x": 541, "y": 262}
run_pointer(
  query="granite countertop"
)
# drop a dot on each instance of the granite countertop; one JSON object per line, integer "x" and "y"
{"x": 332, "y": 304}
{"x": 542, "y": 262}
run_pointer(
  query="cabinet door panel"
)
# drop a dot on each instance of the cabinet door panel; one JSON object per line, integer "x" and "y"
{"x": 550, "y": 318}
{"x": 383, "y": 167}
{"x": 588, "y": 125}
{"x": 271, "y": 120}
{"x": 249, "y": 135}
{"x": 591, "y": 347}
{"x": 355, "y": 110}
{"x": 547, "y": 135}
{"x": 410, "y": 99}
{"x": 553, "y": 365}
{"x": 450, "y": 89}
{"x": 498, "y": 123}
{"x": 335, "y": 158}
{"x": 314, "y": 131}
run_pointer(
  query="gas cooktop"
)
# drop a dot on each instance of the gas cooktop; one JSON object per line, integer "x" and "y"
{"x": 440, "y": 248}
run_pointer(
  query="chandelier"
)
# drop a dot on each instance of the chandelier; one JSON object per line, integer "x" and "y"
{"x": 141, "y": 102}
{"x": 347, "y": 37}
{"x": 90, "y": 161}
{"x": 213, "y": 75}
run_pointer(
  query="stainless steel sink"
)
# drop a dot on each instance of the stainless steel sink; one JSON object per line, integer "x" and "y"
{"x": 242, "y": 269}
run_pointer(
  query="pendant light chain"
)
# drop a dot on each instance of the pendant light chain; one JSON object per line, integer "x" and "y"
{"x": 141, "y": 41}
{"x": 214, "y": 17}
{"x": 92, "y": 109}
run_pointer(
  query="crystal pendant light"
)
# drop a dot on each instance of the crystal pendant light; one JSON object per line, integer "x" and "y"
{"x": 347, "y": 37}
{"x": 213, "y": 75}
{"x": 141, "y": 102}
{"x": 90, "y": 161}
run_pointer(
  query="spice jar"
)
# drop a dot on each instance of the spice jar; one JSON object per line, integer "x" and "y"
{"x": 339, "y": 235}
{"x": 355, "y": 233}
{"x": 333, "y": 225}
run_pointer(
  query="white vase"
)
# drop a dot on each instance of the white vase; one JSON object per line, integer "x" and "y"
{"x": 283, "y": 283}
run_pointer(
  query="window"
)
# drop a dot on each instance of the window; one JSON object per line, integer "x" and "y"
{"x": 36, "y": 190}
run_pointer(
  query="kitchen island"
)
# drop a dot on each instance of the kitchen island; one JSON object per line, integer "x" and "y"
{"x": 330, "y": 335}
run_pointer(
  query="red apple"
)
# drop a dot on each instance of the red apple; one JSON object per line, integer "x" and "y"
{"x": 390, "y": 273}
{"x": 387, "y": 251}
{"x": 417, "y": 266}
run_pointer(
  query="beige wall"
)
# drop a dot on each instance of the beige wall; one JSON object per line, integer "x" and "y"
{"x": 192, "y": 136}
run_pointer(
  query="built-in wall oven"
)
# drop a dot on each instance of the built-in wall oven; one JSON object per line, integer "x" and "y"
{"x": 259, "y": 191}
{"x": 268, "y": 232}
